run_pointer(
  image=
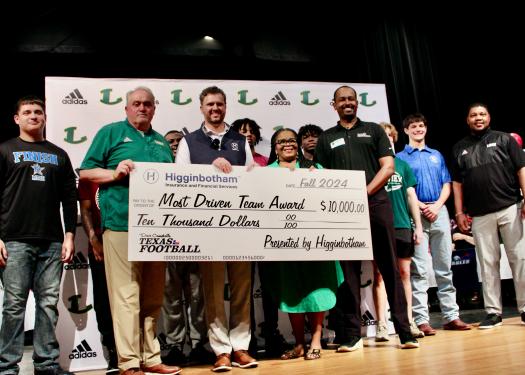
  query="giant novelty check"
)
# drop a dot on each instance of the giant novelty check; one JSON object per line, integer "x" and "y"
{"x": 196, "y": 213}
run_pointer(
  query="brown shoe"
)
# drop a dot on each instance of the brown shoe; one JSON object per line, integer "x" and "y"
{"x": 133, "y": 371}
{"x": 457, "y": 325}
{"x": 222, "y": 363}
{"x": 427, "y": 329}
{"x": 161, "y": 368}
{"x": 242, "y": 359}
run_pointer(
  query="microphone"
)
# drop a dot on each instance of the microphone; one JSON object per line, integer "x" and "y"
{"x": 216, "y": 144}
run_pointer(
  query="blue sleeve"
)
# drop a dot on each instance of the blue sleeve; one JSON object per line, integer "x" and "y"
{"x": 402, "y": 155}
{"x": 445, "y": 175}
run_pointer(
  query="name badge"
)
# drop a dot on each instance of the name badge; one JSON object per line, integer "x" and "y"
{"x": 337, "y": 143}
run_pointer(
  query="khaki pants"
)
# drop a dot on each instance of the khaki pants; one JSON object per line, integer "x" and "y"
{"x": 135, "y": 292}
{"x": 485, "y": 230}
{"x": 233, "y": 334}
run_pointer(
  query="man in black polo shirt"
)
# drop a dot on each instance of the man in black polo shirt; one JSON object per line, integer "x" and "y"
{"x": 357, "y": 145}
{"x": 487, "y": 173}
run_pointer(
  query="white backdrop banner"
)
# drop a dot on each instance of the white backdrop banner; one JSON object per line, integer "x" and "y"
{"x": 78, "y": 107}
{"x": 77, "y": 332}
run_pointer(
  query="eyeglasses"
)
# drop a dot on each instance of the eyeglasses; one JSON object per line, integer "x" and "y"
{"x": 289, "y": 141}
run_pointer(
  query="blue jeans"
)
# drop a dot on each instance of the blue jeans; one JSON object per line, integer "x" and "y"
{"x": 437, "y": 236}
{"x": 34, "y": 265}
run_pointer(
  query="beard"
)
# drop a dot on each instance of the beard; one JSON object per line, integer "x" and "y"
{"x": 348, "y": 117}
{"x": 216, "y": 119}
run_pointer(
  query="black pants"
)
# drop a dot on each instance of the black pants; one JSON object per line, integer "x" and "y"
{"x": 346, "y": 315}
{"x": 101, "y": 301}
{"x": 269, "y": 304}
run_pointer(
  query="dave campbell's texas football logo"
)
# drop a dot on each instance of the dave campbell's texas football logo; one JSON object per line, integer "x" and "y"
{"x": 164, "y": 243}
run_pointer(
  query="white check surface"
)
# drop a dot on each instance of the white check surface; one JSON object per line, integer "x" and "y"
{"x": 196, "y": 213}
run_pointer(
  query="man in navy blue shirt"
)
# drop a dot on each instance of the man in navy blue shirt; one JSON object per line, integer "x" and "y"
{"x": 433, "y": 190}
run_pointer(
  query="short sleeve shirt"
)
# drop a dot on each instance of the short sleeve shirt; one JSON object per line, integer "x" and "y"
{"x": 112, "y": 144}
{"x": 396, "y": 187}
{"x": 358, "y": 148}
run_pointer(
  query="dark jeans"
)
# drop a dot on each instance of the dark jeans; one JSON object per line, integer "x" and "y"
{"x": 346, "y": 316}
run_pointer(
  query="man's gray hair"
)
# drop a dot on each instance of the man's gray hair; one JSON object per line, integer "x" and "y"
{"x": 140, "y": 88}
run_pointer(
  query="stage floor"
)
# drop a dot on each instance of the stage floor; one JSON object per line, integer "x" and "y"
{"x": 498, "y": 350}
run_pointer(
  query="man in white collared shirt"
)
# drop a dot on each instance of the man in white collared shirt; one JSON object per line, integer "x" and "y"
{"x": 214, "y": 143}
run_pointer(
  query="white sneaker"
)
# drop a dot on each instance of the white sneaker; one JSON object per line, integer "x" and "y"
{"x": 355, "y": 343}
{"x": 381, "y": 332}
{"x": 416, "y": 332}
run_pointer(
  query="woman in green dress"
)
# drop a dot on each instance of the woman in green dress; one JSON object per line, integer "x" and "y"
{"x": 305, "y": 287}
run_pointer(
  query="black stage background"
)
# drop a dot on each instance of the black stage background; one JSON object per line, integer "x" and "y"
{"x": 435, "y": 60}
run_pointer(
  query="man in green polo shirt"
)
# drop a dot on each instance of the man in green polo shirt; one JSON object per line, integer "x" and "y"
{"x": 108, "y": 163}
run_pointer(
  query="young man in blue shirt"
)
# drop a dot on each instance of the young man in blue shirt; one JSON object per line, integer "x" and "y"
{"x": 433, "y": 190}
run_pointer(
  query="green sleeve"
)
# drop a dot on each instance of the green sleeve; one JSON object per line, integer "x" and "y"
{"x": 96, "y": 156}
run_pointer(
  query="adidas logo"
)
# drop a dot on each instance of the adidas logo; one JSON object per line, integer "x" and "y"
{"x": 279, "y": 99}
{"x": 464, "y": 152}
{"x": 128, "y": 139}
{"x": 368, "y": 319}
{"x": 83, "y": 350}
{"x": 257, "y": 293}
{"x": 79, "y": 262}
{"x": 75, "y": 97}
